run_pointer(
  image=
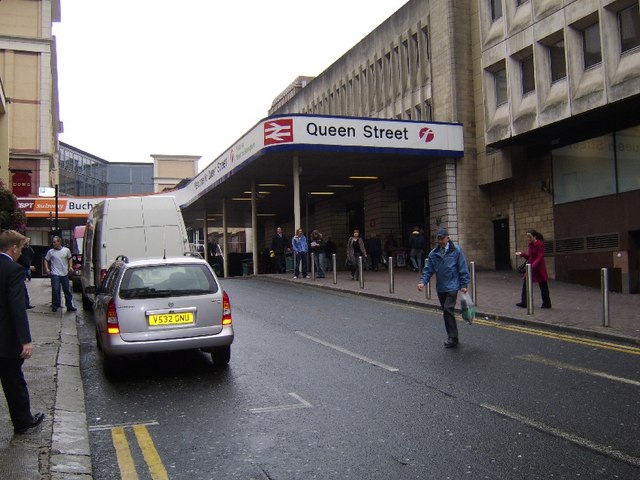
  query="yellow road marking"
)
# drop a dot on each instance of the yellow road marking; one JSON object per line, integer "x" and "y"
{"x": 563, "y": 337}
{"x": 154, "y": 462}
{"x": 123, "y": 454}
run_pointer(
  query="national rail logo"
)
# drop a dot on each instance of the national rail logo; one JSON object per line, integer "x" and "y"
{"x": 278, "y": 131}
{"x": 426, "y": 134}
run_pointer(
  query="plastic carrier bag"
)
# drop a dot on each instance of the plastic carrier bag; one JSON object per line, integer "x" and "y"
{"x": 468, "y": 308}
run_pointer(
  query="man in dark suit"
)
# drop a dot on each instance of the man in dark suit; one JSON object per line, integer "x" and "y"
{"x": 15, "y": 336}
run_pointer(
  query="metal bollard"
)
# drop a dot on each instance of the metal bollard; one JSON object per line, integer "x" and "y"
{"x": 360, "y": 271}
{"x": 604, "y": 283}
{"x": 474, "y": 295}
{"x": 529, "y": 281}
{"x": 333, "y": 268}
{"x": 313, "y": 266}
{"x": 428, "y": 291}
{"x": 391, "y": 279}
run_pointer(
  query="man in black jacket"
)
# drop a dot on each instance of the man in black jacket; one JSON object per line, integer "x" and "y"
{"x": 15, "y": 336}
{"x": 279, "y": 245}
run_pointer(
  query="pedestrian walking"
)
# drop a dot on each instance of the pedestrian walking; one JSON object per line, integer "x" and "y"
{"x": 535, "y": 257}
{"x": 448, "y": 263}
{"x": 300, "y": 249}
{"x": 15, "y": 336}
{"x": 279, "y": 246}
{"x": 57, "y": 264}
{"x": 416, "y": 245}
{"x": 25, "y": 259}
{"x": 355, "y": 249}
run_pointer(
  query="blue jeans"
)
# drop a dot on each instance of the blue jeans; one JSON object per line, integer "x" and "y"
{"x": 416, "y": 258}
{"x": 318, "y": 258}
{"x": 56, "y": 281}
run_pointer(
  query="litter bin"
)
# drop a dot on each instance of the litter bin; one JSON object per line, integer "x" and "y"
{"x": 289, "y": 262}
{"x": 247, "y": 267}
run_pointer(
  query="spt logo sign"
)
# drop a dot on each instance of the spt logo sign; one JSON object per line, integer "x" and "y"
{"x": 426, "y": 134}
{"x": 278, "y": 131}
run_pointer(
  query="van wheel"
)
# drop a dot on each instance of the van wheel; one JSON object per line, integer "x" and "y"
{"x": 86, "y": 303}
{"x": 221, "y": 355}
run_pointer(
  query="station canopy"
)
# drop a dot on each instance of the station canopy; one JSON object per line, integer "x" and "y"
{"x": 330, "y": 152}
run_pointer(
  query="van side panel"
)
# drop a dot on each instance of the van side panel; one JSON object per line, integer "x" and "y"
{"x": 123, "y": 213}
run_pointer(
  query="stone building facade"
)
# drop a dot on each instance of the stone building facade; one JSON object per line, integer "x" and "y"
{"x": 546, "y": 92}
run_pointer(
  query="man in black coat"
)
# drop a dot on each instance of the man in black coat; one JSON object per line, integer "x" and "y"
{"x": 279, "y": 245}
{"x": 15, "y": 336}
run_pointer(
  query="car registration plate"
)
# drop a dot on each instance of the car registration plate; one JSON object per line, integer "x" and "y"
{"x": 171, "y": 318}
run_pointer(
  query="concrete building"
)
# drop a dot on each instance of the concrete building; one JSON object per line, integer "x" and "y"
{"x": 29, "y": 75}
{"x": 547, "y": 93}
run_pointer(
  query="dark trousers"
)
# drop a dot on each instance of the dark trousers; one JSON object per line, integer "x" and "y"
{"x": 355, "y": 271}
{"x": 281, "y": 264}
{"x": 448, "y": 304}
{"x": 544, "y": 292}
{"x": 301, "y": 257}
{"x": 26, "y": 295}
{"x": 56, "y": 282}
{"x": 15, "y": 391}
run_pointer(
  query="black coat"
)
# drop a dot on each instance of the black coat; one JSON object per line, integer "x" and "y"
{"x": 14, "y": 323}
{"x": 279, "y": 243}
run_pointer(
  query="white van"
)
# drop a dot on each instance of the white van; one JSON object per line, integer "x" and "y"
{"x": 137, "y": 227}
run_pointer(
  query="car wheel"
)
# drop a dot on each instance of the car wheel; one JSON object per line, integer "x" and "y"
{"x": 86, "y": 303}
{"x": 221, "y": 355}
{"x": 98, "y": 344}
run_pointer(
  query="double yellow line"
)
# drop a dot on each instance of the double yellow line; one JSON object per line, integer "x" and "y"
{"x": 618, "y": 347}
{"x": 149, "y": 452}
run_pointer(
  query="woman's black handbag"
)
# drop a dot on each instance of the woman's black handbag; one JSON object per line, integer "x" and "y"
{"x": 522, "y": 268}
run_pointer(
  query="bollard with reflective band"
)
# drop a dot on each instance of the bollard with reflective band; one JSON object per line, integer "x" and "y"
{"x": 604, "y": 282}
{"x": 360, "y": 271}
{"x": 313, "y": 266}
{"x": 391, "y": 279}
{"x": 474, "y": 295}
{"x": 529, "y": 287}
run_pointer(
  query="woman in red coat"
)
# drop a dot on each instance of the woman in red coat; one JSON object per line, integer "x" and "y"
{"x": 535, "y": 257}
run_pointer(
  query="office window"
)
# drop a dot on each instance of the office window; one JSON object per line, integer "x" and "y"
{"x": 416, "y": 49}
{"x": 528, "y": 76}
{"x": 521, "y": 2}
{"x": 500, "y": 78}
{"x": 629, "y": 22}
{"x": 496, "y": 9}
{"x": 557, "y": 61}
{"x": 591, "y": 45}
{"x": 584, "y": 170}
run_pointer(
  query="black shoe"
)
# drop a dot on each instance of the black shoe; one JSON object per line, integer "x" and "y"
{"x": 29, "y": 307}
{"x": 72, "y": 309}
{"x": 451, "y": 343}
{"x": 54, "y": 309}
{"x": 521, "y": 305}
{"x": 545, "y": 306}
{"x": 37, "y": 420}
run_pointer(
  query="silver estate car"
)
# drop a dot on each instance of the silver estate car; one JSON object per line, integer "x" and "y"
{"x": 159, "y": 305}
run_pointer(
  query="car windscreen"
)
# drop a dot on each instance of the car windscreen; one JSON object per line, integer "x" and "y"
{"x": 167, "y": 281}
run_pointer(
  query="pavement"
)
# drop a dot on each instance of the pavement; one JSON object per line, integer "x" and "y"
{"x": 59, "y": 448}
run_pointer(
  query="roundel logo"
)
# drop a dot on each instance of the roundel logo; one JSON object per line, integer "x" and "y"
{"x": 426, "y": 134}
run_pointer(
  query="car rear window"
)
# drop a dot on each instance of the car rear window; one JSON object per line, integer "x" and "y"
{"x": 167, "y": 280}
